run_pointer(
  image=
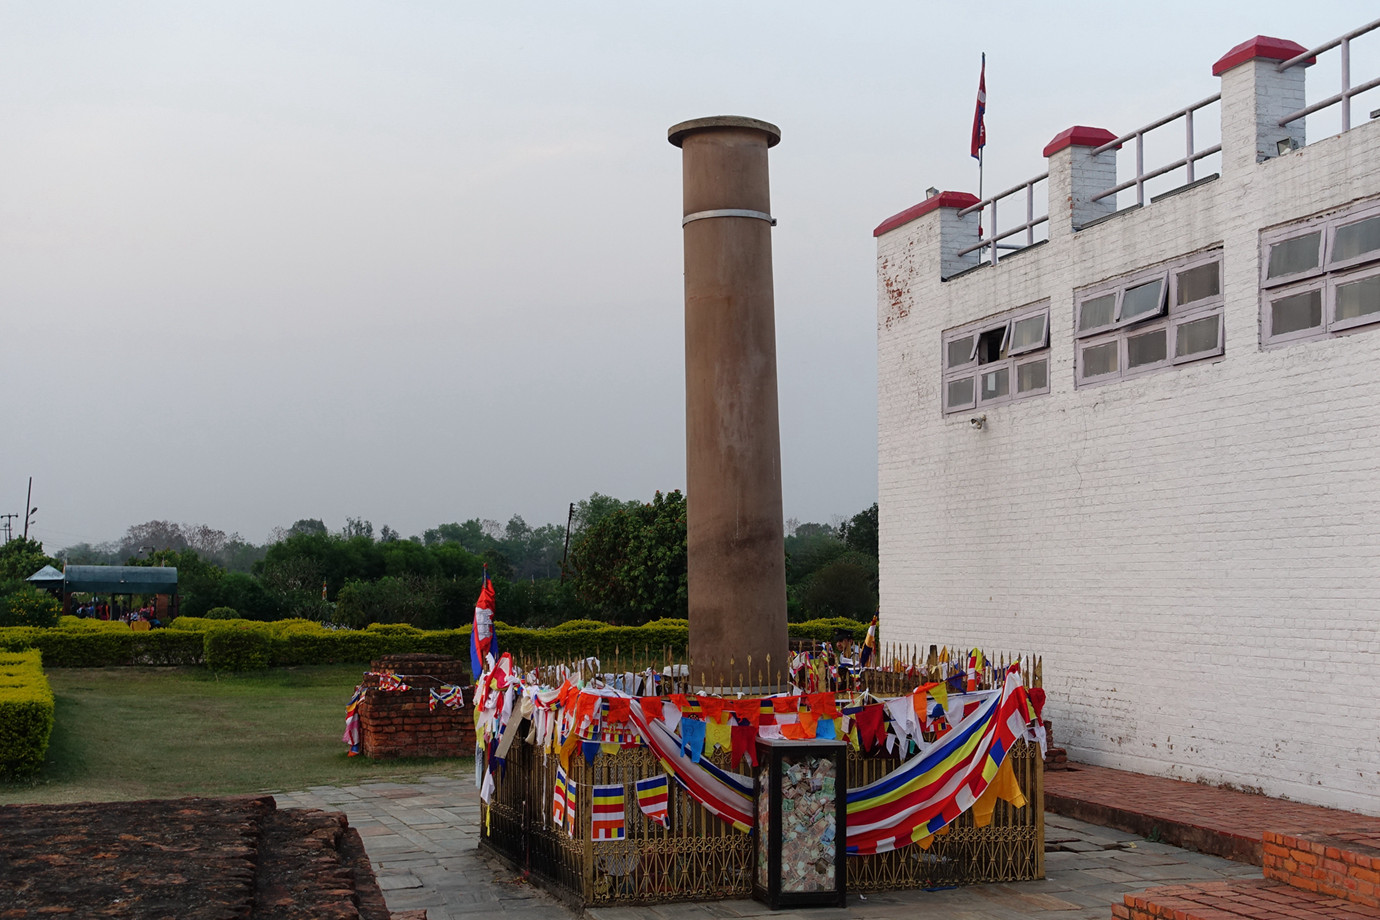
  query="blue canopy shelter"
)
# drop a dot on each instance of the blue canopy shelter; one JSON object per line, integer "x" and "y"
{"x": 122, "y": 579}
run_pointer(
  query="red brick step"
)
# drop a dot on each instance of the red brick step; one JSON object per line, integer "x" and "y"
{"x": 1338, "y": 863}
{"x": 1222, "y": 822}
{"x": 1252, "y": 899}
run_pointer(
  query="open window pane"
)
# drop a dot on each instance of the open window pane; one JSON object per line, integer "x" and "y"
{"x": 1099, "y": 360}
{"x": 1359, "y": 299}
{"x": 1027, "y": 334}
{"x": 1148, "y": 348}
{"x": 959, "y": 352}
{"x": 1356, "y": 239}
{"x": 1293, "y": 256}
{"x": 1296, "y": 313}
{"x": 1032, "y": 376}
{"x": 1199, "y": 336}
{"x": 1198, "y": 283}
{"x": 995, "y": 384}
{"x": 991, "y": 345}
{"x": 1143, "y": 300}
{"x": 959, "y": 394}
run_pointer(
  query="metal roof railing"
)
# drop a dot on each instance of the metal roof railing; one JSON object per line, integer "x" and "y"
{"x": 1344, "y": 97}
{"x": 1190, "y": 156}
{"x": 993, "y": 237}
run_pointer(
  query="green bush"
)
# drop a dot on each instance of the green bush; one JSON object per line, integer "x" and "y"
{"x": 393, "y": 629}
{"x": 29, "y": 606}
{"x": 251, "y": 644}
{"x": 26, "y": 714}
{"x": 824, "y": 630}
{"x": 107, "y": 645}
{"x": 167, "y": 647}
{"x": 239, "y": 647}
{"x": 86, "y": 648}
{"x": 91, "y": 624}
{"x": 222, "y": 613}
{"x": 193, "y": 624}
{"x": 18, "y": 638}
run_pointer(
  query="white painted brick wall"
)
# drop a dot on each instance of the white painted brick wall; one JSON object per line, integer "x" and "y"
{"x": 1196, "y": 552}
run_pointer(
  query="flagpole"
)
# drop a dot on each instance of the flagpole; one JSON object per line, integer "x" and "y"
{"x": 983, "y": 148}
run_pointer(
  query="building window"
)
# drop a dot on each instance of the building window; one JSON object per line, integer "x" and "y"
{"x": 1321, "y": 277}
{"x": 997, "y": 360}
{"x": 1150, "y": 320}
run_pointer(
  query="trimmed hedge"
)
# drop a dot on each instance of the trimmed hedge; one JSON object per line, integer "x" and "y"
{"x": 231, "y": 645}
{"x": 824, "y": 630}
{"x": 238, "y": 648}
{"x": 100, "y": 647}
{"x": 26, "y": 714}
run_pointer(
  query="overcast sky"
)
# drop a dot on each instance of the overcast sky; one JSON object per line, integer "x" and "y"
{"x": 421, "y": 262}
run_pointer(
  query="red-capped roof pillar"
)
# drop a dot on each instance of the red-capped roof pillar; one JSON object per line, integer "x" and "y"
{"x": 1255, "y": 96}
{"x": 938, "y": 217}
{"x": 1077, "y": 174}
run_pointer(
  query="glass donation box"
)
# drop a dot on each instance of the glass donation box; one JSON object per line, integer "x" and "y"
{"x": 801, "y": 809}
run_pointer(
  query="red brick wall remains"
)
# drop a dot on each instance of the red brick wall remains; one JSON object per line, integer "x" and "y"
{"x": 400, "y": 723}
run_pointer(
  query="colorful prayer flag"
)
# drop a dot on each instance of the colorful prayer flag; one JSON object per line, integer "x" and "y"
{"x": 483, "y": 642}
{"x": 606, "y": 812}
{"x": 653, "y": 794}
{"x": 448, "y": 696}
{"x": 979, "y": 114}
{"x": 558, "y": 800}
{"x": 570, "y": 802}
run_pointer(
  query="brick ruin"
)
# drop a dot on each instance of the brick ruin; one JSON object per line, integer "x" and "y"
{"x": 401, "y": 723}
{"x": 196, "y": 857}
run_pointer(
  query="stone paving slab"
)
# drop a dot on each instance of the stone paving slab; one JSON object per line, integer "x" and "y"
{"x": 423, "y": 842}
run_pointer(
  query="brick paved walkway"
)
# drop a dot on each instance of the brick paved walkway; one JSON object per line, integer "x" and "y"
{"x": 1204, "y": 818}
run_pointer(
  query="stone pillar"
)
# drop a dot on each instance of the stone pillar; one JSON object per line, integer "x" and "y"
{"x": 735, "y": 536}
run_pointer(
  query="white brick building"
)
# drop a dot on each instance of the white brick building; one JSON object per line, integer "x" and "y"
{"x": 1173, "y": 493}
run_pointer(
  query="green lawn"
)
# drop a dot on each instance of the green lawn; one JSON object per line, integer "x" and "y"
{"x": 137, "y": 733}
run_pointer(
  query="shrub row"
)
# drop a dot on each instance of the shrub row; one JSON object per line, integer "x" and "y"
{"x": 241, "y": 645}
{"x": 78, "y": 647}
{"x": 828, "y": 630}
{"x": 26, "y": 714}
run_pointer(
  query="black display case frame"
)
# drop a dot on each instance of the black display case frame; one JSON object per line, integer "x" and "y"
{"x": 774, "y": 759}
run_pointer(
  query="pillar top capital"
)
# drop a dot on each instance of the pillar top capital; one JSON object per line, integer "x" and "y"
{"x": 677, "y": 134}
{"x": 957, "y": 200}
{"x": 1079, "y": 136}
{"x": 1260, "y": 47}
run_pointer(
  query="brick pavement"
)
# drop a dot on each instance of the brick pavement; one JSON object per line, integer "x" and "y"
{"x": 1204, "y": 818}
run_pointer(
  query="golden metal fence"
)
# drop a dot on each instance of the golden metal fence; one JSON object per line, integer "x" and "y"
{"x": 701, "y": 857}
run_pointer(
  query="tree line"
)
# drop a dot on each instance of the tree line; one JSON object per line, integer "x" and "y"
{"x": 625, "y": 564}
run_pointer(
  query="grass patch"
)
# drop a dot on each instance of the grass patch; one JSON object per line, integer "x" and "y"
{"x": 142, "y": 733}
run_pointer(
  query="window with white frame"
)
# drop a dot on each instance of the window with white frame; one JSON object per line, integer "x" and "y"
{"x": 1150, "y": 320}
{"x": 997, "y": 360}
{"x": 1320, "y": 277}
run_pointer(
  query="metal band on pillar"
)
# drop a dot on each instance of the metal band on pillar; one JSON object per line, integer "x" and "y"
{"x": 728, "y": 212}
